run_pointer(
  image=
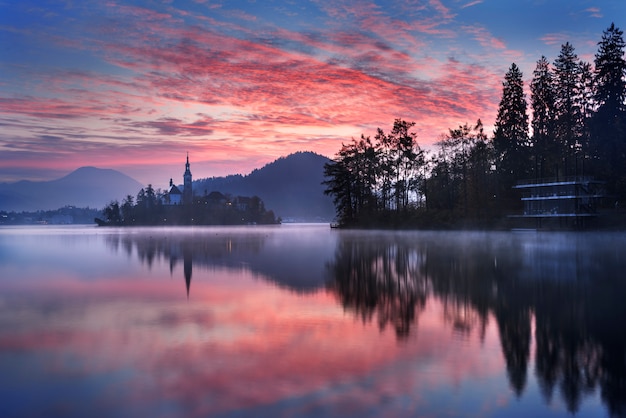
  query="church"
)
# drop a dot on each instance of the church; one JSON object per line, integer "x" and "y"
{"x": 174, "y": 196}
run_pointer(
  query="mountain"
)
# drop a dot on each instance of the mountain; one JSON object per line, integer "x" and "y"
{"x": 84, "y": 187}
{"x": 290, "y": 186}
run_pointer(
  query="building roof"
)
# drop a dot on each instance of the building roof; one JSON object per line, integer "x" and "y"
{"x": 174, "y": 190}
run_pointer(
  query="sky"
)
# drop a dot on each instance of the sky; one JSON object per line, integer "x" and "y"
{"x": 136, "y": 85}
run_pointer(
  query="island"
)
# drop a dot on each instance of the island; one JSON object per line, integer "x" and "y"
{"x": 175, "y": 207}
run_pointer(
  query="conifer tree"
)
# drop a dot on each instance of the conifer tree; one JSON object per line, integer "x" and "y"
{"x": 568, "y": 113}
{"x": 608, "y": 125}
{"x": 611, "y": 71}
{"x": 511, "y": 134}
{"x": 587, "y": 104}
{"x": 542, "y": 98}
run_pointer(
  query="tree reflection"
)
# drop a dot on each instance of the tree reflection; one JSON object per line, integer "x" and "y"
{"x": 200, "y": 249}
{"x": 288, "y": 262}
{"x": 385, "y": 281}
{"x": 570, "y": 286}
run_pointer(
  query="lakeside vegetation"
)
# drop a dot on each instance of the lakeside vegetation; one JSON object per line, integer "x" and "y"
{"x": 578, "y": 128}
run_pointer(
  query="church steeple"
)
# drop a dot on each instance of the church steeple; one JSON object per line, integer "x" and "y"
{"x": 187, "y": 192}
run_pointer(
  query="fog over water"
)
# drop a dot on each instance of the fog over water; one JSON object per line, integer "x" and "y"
{"x": 302, "y": 320}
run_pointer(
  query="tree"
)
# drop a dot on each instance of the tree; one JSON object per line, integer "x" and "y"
{"x": 543, "y": 141}
{"x": 112, "y": 213}
{"x": 608, "y": 124}
{"x": 510, "y": 137}
{"x": 568, "y": 114}
{"x": 339, "y": 185}
{"x": 352, "y": 180}
{"x": 128, "y": 210}
{"x": 460, "y": 182}
{"x": 386, "y": 168}
{"x": 587, "y": 104}
{"x": 406, "y": 158}
{"x": 367, "y": 179}
{"x": 611, "y": 71}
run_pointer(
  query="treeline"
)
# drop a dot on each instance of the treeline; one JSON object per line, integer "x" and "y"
{"x": 62, "y": 216}
{"x": 578, "y": 128}
{"x": 149, "y": 208}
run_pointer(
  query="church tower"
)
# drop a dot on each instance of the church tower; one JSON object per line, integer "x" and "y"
{"x": 187, "y": 193}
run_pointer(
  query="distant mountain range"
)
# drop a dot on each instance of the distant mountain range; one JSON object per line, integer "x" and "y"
{"x": 290, "y": 186}
{"x": 85, "y": 187}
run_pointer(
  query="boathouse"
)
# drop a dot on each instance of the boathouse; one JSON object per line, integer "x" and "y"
{"x": 566, "y": 202}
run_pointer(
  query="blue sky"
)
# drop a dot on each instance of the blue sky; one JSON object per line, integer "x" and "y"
{"x": 135, "y": 85}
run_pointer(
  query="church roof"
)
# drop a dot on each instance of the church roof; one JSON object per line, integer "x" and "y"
{"x": 174, "y": 190}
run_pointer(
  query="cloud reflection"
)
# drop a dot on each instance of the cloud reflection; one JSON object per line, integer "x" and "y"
{"x": 424, "y": 320}
{"x": 563, "y": 285}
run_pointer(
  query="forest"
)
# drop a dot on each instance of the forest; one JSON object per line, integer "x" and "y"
{"x": 578, "y": 128}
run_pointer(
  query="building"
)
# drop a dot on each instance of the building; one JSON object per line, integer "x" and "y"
{"x": 174, "y": 196}
{"x": 571, "y": 201}
{"x": 187, "y": 191}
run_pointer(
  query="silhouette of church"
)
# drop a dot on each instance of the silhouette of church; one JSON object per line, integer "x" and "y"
{"x": 174, "y": 196}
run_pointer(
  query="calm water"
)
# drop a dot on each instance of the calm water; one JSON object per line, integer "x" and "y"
{"x": 301, "y": 320}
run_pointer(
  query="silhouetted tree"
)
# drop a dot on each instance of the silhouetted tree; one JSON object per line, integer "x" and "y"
{"x": 339, "y": 184}
{"x": 543, "y": 141}
{"x": 406, "y": 158}
{"x": 112, "y": 213}
{"x": 510, "y": 136}
{"x": 568, "y": 112}
{"x": 366, "y": 179}
{"x": 128, "y": 209}
{"x": 608, "y": 131}
{"x": 587, "y": 104}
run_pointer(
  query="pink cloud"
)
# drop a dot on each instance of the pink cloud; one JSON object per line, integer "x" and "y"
{"x": 555, "y": 38}
{"x": 594, "y": 12}
{"x": 484, "y": 38}
{"x": 280, "y": 93}
{"x": 471, "y": 3}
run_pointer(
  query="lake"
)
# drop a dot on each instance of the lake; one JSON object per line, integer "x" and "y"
{"x": 302, "y": 320}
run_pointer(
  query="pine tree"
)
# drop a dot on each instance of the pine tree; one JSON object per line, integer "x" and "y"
{"x": 587, "y": 104}
{"x": 542, "y": 98}
{"x": 611, "y": 71}
{"x": 568, "y": 113}
{"x": 608, "y": 124}
{"x": 511, "y": 134}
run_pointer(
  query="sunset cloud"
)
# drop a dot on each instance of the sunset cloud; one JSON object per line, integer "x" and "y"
{"x": 594, "y": 12}
{"x": 252, "y": 83}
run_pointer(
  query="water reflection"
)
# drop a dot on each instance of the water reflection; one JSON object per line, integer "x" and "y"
{"x": 289, "y": 259}
{"x": 569, "y": 287}
{"x": 305, "y": 321}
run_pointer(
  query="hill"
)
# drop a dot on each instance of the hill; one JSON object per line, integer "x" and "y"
{"x": 85, "y": 187}
{"x": 290, "y": 186}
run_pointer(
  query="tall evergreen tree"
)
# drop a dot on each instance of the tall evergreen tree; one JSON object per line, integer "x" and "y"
{"x": 609, "y": 122}
{"x": 542, "y": 96}
{"x": 611, "y": 71}
{"x": 568, "y": 113}
{"x": 510, "y": 137}
{"x": 587, "y": 104}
